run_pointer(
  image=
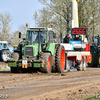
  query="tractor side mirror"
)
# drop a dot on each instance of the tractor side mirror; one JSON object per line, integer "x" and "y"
{"x": 54, "y": 35}
{"x": 19, "y": 34}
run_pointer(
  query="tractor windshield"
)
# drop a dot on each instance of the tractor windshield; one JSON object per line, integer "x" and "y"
{"x": 32, "y": 36}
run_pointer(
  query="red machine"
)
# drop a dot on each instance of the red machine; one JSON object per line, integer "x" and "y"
{"x": 77, "y": 51}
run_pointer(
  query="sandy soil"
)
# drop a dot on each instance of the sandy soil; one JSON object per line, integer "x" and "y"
{"x": 55, "y": 86}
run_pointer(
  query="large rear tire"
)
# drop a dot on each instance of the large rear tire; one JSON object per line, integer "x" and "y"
{"x": 47, "y": 67}
{"x": 92, "y": 63}
{"x": 5, "y": 55}
{"x": 54, "y": 59}
{"x": 60, "y": 59}
{"x": 99, "y": 60}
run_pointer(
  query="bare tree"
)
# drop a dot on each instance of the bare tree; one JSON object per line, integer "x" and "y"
{"x": 88, "y": 12}
{"x": 89, "y": 15}
{"x": 15, "y": 38}
{"x": 22, "y": 29}
{"x": 35, "y": 17}
{"x": 5, "y": 24}
{"x": 45, "y": 18}
{"x": 61, "y": 15}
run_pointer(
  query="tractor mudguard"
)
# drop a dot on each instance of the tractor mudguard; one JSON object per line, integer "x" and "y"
{"x": 46, "y": 51}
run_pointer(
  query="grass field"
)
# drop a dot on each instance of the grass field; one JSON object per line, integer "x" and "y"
{"x": 97, "y": 97}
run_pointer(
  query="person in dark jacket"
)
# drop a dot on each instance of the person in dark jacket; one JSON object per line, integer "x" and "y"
{"x": 78, "y": 38}
{"x": 66, "y": 39}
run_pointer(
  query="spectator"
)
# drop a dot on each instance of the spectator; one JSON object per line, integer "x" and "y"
{"x": 77, "y": 38}
{"x": 9, "y": 44}
{"x": 66, "y": 39}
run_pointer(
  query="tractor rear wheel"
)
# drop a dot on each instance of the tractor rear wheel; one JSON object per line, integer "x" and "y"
{"x": 54, "y": 59}
{"x": 99, "y": 60}
{"x": 47, "y": 67}
{"x": 92, "y": 63}
{"x": 60, "y": 59}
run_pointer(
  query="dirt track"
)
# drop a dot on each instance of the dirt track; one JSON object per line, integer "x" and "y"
{"x": 55, "y": 86}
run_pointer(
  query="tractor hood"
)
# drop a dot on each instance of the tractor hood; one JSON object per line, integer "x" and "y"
{"x": 31, "y": 50}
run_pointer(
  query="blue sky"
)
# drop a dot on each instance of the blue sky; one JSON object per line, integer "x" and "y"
{"x": 21, "y": 11}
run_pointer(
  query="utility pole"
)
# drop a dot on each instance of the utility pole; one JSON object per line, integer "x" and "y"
{"x": 75, "y": 22}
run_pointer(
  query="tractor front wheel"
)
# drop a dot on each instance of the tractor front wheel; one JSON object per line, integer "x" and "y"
{"x": 15, "y": 56}
{"x": 47, "y": 58}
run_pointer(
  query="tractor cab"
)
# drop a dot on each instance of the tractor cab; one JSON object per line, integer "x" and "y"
{"x": 95, "y": 51}
{"x": 39, "y": 35}
{"x": 96, "y": 40}
{"x": 37, "y": 41}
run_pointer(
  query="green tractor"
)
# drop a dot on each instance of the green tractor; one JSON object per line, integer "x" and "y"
{"x": 95, "y": 51}
{"x": 38, "y": 52}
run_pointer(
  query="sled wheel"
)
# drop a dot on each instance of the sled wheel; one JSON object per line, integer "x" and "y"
{"x": 85, "y": 64}
{"x": 67, "y": 65}
{"x": 80, "y": 67}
